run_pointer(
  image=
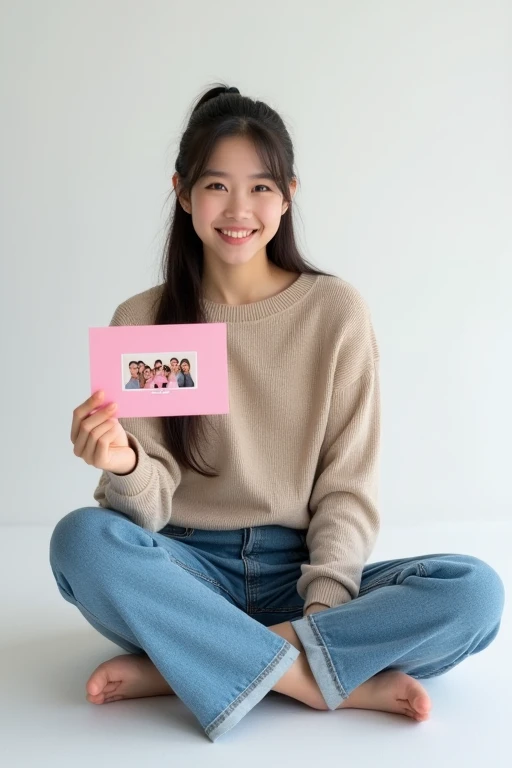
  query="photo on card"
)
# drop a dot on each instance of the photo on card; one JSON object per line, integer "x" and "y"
{"x": 144, "y": 371}
{"x": 161, "y": 370}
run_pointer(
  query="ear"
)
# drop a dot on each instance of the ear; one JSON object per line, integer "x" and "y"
{"x": 183, "y": 198}
{"x": 293, "y": 190}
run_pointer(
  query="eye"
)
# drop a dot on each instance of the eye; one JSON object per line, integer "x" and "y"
{"x": 218, "y": 183}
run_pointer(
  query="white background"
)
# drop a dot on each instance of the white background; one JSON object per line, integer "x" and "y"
{"x": 401, "y": 117}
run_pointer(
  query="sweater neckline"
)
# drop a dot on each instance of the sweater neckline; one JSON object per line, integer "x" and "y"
{"x": 256, "y": 310}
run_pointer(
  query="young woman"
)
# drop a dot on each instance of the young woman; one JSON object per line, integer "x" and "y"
{"x": 172, "y": 376}
{"x": 159, "y": 377}
{"x": 142, "y": 380}
{"x": 148, "y": 377}
{"x": 184, "y": 378}
{"x": 228, "y": 553}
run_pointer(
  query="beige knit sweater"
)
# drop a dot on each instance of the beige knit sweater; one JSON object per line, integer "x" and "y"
{"x": 300, "y": 445}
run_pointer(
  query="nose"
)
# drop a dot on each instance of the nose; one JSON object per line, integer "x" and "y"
{"x": 239, "y": 209}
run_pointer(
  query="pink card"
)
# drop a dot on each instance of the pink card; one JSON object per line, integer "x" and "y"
{"x": 185, "y": 368}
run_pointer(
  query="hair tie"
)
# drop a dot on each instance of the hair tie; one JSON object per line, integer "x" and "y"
{"x": 233, "y": 89}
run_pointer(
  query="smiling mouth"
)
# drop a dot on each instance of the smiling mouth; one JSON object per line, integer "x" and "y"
{"x": 251, "y": 231}
{"x": 235, "y": 240}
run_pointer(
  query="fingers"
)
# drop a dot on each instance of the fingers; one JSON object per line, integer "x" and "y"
{"x": 83, "y": 410}
{"x": 88, "y": 427}
{"x": 103, "y": 454}
{"x": 89, "y": 450}
{"x": 97, "y": 449}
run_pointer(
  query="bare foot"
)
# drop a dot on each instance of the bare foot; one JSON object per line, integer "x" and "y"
{"x": 388, "y": 691}
{"x": 391, "y": 691}
{"x": 128, "y": 676}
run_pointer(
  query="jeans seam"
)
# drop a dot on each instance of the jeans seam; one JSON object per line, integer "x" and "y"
{"x": 277, "y": 610}
{"x": 213, "y": 581}
{"x": 174, "y": 535}
{"x": 202, "y": 576}
{"x": 441, "y": 670}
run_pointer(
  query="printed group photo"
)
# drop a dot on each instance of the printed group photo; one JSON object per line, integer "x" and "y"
{"x": 150, "y": 371}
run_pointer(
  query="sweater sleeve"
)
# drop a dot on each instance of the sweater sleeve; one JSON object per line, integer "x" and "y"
{"x": 146, "y": 493}
{"x": 345, "y": 519}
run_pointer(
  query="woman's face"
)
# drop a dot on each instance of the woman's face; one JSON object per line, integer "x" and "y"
{"x": 185, "y": 367}
{"x": 147, "y": 374}
{"x": 141, "y": 367}
{"x": 175, "y": 366}
{"x": 158, "y": 368}
{"x": 237, "y": 200}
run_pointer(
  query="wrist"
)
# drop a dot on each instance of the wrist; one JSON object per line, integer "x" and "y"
{"x": 315, "y": 607}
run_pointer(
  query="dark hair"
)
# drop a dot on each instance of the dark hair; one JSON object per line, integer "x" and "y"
{"x": 185, "y": 361}
{"x": 147, "y": 368}
{"x": 174, "y": 358}
{"x": 141, "y": 362}
{"x": 133, "y": 362}
{"x": 216, "y": 115}
{"x": 157, "y": 361}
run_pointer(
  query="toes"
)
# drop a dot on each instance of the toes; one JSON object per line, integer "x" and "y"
{"x": 96, "y": 685}
{"x": 97, "y": 699}
{"x": 111, "y": 686}
{"x": 99, "y": 683}
{"x": 100, "y": 698}
{"x": 420, "y": 715}
{"x": 412, "y": 713}
{"x": 421, "y": 704}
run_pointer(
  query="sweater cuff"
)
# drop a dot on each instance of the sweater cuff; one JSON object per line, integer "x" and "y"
{"x": 326, "y": 591}
{"x": 138, "y": 480}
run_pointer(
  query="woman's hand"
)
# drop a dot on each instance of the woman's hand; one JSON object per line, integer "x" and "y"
{"x": 99, "y": 439}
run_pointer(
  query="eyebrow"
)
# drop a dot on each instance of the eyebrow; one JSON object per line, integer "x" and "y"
{"x": 223, "y": 174}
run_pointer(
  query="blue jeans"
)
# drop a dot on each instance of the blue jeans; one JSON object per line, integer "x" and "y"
{"x": 199, "y": 604}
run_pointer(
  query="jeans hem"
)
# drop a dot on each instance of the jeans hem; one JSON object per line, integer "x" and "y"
{"x": 264, "y": 683}
{"x": 320, "y": 662}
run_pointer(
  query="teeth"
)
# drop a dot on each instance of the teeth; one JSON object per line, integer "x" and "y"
{"x": 236, "y": 234}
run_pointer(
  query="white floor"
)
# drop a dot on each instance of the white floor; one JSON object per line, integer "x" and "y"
{"x": 49, "y": 651}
